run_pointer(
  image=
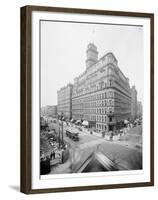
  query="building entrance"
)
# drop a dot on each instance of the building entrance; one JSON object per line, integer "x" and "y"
{"x": 111, "y": 127}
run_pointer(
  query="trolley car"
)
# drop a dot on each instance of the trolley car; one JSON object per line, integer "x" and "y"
{"x": 72, "y": 134}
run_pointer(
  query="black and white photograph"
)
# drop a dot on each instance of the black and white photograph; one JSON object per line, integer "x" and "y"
{"x": 91, "y": 97}
{"x": 87, "y": 99}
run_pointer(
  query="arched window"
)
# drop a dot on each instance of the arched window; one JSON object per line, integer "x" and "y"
{"x": 110, "y": 83}
{"x": 111, "y": 93}
{"x": 109, "y": 71}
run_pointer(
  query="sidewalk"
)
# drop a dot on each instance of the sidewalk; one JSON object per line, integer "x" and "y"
{"x": 106, "y": 137}
{"x": 116, "y": 139}
{"x": 61, "y": 168}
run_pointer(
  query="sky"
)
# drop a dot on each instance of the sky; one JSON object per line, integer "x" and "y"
{"x": 63, "y": 53}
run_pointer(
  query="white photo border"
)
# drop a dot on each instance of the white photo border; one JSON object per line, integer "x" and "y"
{"x": 75, "y": 180}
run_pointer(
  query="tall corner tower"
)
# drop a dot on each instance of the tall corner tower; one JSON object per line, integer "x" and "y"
{"x": 92, "y": 55}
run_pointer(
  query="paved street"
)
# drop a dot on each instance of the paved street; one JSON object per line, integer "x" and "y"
{"x": 124, "y": 151}
{"x": 133, "y": 138}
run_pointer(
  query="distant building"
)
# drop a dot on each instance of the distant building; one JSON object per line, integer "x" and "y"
{"x": 139, "y": 109}
{"x": 133, "y": 102}
{"x": 43, "y": 111}
{"x": 101, "y": 94}
{"x": 65, "y": 101}
{"x": 49, "y": 111}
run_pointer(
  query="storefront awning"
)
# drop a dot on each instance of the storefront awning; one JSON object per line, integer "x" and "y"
{"x": 85, "y": 123}
{"x": 126, "y": 121}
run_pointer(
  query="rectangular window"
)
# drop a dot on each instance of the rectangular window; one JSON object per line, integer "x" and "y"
{"x": 110, "y": 119}
{"x": 105, "y": 95}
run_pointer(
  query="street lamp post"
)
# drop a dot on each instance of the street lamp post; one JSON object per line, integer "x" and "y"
{"x": 59, "y": 134}
{"x": 59, "y": 130}
{"x": 62, "y": 132}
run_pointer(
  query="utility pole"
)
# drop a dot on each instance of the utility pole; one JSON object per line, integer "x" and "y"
{"x": 62, "y": 132}
{"x": 59, "y": 131}
{"x": 62, "y": 128}
{"x": 59, "y": 136}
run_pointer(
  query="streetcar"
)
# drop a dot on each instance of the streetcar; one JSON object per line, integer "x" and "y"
{"x": 72, "y": 134}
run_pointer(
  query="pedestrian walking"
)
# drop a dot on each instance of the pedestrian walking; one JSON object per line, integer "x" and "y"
{"x": 52, "y": 155}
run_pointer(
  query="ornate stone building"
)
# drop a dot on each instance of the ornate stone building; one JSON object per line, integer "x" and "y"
{"x": 101, "y": 94}
{"x": 52, "y": 111}
{"x": 64, "y": 96}
{"x": 49, "y": 111}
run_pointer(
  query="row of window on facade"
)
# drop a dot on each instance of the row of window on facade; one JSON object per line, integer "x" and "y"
{"x": 98, "y": 118}
{"x": 96, "y": 72}
{"x": 100, "y": 86}
{"x": 103, "y": 119}
{"x": 90, "y": 117}
{"x": 64, "y": 106}
{"x": 100, "y": 96}
{"x": 123, "y": 86}
{"x": 64, "y": 99}
{"x": 100, "y": 103}
{"x": 64, "y": 109}
{"x": 102, "y": 111}
{"x": 101, "y": 127}
{"x": 64, "y": 96}
{"x": 95, "y": 118}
